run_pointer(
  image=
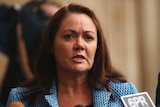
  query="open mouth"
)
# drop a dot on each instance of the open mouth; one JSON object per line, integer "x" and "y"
{"x": 78, "y": 58}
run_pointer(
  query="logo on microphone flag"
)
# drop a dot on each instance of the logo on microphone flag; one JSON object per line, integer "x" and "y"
{"x": 137, "y": 100}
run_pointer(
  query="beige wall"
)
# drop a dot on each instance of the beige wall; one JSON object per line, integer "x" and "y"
{"x": 131, "y": 28}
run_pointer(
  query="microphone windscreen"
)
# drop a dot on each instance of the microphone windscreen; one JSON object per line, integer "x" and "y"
{"x": 16, "y": 104}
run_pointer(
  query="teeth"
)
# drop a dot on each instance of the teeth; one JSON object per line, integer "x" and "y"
{"x": 78, "y": 58}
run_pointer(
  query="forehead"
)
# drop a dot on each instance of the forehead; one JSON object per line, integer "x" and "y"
{"x": 77, "y": 19}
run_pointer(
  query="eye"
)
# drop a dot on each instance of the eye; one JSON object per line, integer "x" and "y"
{"x": 89, "y": 38}
{"x": 69, "y": 36}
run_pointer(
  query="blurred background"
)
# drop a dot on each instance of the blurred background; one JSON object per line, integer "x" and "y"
{"x": 132, "y": 30}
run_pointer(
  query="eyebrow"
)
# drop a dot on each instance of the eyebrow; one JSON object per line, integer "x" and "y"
{"x": 70, "y": 30}
{"x": 73, "y": 31}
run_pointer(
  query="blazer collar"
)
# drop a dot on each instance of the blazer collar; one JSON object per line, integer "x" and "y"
{"x": 100, "y": 97}
{"x": 52, "y": 97}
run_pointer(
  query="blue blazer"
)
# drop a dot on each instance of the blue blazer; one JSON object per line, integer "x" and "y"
{"x": 101, "y": 98}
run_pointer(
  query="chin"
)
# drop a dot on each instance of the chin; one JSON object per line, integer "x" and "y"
{"x": 81, "y": 70}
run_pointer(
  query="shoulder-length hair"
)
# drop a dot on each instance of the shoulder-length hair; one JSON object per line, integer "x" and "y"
{"x": 45, "y": 67}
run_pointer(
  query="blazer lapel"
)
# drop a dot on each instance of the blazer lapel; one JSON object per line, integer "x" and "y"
{"x": 101, "y": 98}
{"x": 52, "y": 97}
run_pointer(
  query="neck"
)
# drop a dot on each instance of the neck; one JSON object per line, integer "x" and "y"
{"x": 68, "y": 97}
{"x": 73, "y": 90}
{"x": 73, "y": 84}
{"x": 72, "y": 80}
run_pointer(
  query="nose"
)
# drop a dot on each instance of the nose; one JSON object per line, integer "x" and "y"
{"x": 79, "y": 44}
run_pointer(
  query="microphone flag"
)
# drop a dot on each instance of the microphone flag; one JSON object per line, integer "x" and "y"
{"x": 137, "y": 100}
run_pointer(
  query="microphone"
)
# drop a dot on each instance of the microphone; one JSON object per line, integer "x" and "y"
{"x": 16, "y": 104}
{"x": 137, "y": 100}
{"x": 79, "y": 105}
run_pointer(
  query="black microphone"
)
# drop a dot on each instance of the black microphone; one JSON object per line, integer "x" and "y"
{"x": 79, "y": 105}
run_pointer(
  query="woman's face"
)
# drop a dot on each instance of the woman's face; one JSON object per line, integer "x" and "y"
{"x": 75, "y": 44}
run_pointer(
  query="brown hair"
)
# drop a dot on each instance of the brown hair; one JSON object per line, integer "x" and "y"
{"x": 45, "y": 67}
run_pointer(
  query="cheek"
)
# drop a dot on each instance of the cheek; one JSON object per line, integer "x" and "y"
{"x": 92, "y": 52}
{"x": 61, "y": 52}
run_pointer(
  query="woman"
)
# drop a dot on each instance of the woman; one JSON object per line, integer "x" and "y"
{"x": 73, "y": 65}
